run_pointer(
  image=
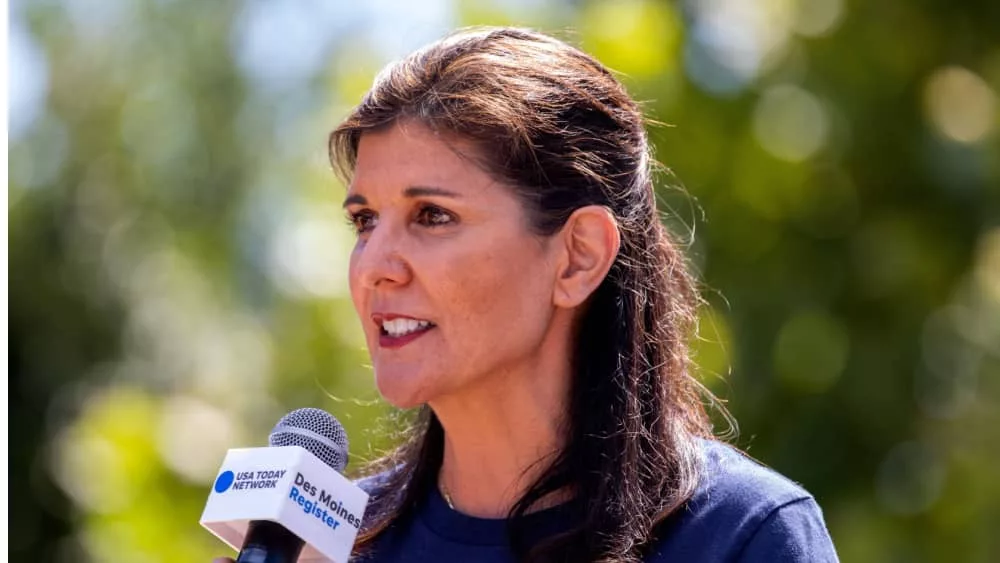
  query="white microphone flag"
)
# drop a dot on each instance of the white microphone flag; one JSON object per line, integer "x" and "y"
{"x": 290, "y": 486}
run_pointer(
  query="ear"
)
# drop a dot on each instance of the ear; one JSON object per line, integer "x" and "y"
{"x": 590, "y": 242}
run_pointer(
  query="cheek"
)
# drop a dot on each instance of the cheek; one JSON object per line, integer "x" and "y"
{"x": 499, "y": 297}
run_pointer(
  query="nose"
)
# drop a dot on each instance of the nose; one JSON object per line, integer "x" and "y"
{"x": 379, "y": 259}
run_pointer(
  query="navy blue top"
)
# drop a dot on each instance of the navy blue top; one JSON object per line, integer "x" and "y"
{"x": 741, "y": 512}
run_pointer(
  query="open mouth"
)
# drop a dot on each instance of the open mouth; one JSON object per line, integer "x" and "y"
{"x": 396, "y": 332}
{"x": 400, "y": 327}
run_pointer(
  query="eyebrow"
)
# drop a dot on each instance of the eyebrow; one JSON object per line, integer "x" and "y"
{"x": 411, "y": 192}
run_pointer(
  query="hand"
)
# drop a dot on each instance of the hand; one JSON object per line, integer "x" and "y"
{"x": 223, "y": 560}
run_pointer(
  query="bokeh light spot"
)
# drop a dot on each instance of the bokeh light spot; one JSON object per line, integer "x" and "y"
{"x": 637, "y": 37}
{"x": 28, "y": 80}
{"x": 816, "y": 18}
{"x": 733, "y": 41}
{"x": 790, "y": 123}
{"x": 987, "y": 270}
{"x": 102, "y": 461}
{"x": 308, "y": 256}
{"x": 946, "y": 384}
{"x": 811, "y": 351}
{"x": 193, "y": 437}
{"x": 909, "y": 479}
{"x": 960, "y": 104}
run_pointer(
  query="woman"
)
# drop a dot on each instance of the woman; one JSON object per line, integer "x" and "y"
{"x": 516, "y": 286}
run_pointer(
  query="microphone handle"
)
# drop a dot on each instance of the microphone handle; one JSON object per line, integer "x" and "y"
{"x": 269, "y": 542}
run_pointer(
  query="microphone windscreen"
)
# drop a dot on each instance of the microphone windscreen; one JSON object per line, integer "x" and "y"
{"x": 316, "y": 431}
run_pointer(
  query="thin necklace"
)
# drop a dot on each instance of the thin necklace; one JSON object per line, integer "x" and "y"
{"x": 444, "y": 493}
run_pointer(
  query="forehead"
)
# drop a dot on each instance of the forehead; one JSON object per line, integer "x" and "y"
{"x": 408, "y": 153}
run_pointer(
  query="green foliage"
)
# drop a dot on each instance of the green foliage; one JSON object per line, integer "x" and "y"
{"x": 177, "y": 262}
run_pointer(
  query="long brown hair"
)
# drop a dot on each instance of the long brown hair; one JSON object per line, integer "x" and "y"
{"x": 554, "y": 123}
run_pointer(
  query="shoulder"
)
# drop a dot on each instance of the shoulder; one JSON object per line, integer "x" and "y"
{"x": 744, "y": 511}
{"x": 731, "y": 481}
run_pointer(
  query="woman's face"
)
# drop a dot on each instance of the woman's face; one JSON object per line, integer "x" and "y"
{"x": 453, "y": 290}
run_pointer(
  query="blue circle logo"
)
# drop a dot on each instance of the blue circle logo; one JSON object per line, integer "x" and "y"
{"x": 224, "y": 481}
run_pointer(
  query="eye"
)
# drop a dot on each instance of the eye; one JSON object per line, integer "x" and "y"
{"x": 434, "y": 216}
{"x": 363, "y": 220}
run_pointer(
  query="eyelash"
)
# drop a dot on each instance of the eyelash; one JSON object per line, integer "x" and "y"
{"x": 355, "y": 219}
{"x": 358, "y": 219}
{"x": 426, "y": 210}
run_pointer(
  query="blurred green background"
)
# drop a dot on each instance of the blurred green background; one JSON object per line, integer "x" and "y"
{"x": 177, "y": 264}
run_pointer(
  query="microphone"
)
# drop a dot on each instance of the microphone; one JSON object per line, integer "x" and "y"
{"x": 289, "y": 502}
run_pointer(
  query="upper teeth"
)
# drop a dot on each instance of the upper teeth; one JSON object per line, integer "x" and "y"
{"x": 399, "y": 327}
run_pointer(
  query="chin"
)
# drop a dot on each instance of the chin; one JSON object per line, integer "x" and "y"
{"x": 400, "y": 391}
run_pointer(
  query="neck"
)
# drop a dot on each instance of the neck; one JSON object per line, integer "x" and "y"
{"x": 499, "y": 437}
